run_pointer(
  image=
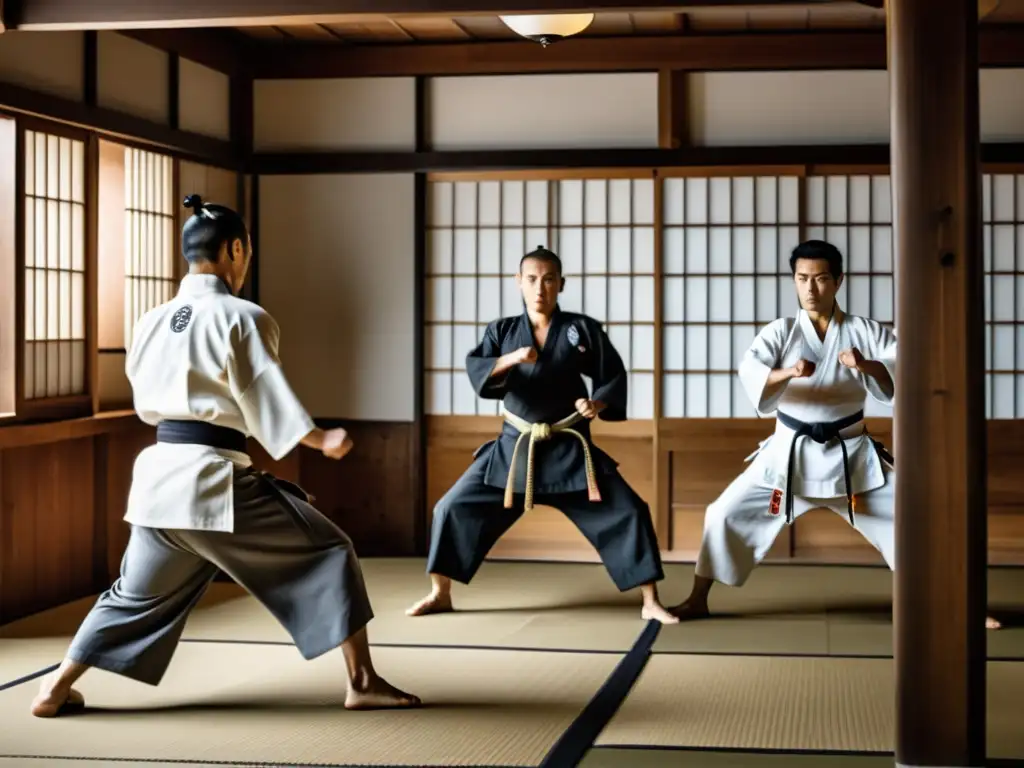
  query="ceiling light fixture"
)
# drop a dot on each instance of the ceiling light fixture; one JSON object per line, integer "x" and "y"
{"x": 548, "y": 28}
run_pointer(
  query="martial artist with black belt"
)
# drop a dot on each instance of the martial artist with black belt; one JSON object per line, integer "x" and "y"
{"x": 535, "y": 363}
{"x": 204, "y": 370}
{"x": 814, "y": 373}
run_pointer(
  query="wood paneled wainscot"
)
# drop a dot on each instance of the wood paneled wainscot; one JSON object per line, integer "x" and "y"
{"x": 694, "y": 462}
{"x": 63, "y": 489}
{"x": 705, "y": 455}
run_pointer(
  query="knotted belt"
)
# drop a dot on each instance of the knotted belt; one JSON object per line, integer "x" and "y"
{"x": 540, "y": 432}
{"x": 820, "y": 432}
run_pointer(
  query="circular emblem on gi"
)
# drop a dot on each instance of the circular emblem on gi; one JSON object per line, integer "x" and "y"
{"x": 179, "y": 321}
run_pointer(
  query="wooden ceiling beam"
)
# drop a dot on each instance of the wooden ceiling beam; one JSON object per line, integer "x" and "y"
{"x": 994, "y": 156}
{"x": 127, "y": 14}
{"x": 120, "y": 126}
{"x": 224, "y": 50}
{"x": 999, "y": 47}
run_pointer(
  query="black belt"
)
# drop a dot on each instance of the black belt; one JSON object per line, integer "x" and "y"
{"x": 820, "y": 432}
{"x": 224, "y": 438}
{"x": 201, "y": 433}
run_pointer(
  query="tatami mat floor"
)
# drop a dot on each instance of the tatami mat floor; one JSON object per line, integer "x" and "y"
{"x": 797, "y": 661}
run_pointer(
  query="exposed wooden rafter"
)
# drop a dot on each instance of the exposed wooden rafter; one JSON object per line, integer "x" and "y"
{"x": 224, "y": 50}
{"x": 125, "y": 14}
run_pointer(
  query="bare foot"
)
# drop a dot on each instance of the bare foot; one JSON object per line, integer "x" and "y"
{"x": 657, "y": 612}
{"x": 432, "y": 603}
{"x": 690, "y": 609}
{"x": 991, "y": 623}
{"x": 380, "y": 694}
{"x": 52, "y": 702}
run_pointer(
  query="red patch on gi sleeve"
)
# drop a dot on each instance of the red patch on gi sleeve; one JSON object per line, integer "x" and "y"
{"x": 775, "y": 503}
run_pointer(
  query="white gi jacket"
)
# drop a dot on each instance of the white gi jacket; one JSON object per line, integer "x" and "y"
{"x": 210, "y": 356}
{"x": 833, "y": 392}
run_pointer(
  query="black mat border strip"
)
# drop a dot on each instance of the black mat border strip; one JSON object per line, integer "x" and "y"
{"x": 777, "y": 564}
{"x": 745, "y": 750}
{"x": 29, "y": 678}
{"x": 516, "y": 649}
{"x": 574, "y": 743}
{"x": 781, "y": 655}
{"x": 598, "y": 651}
{"x": 423, "y": 646}
{"x": 990, "y": 762}
{"x": 247, "y": 763}
{"x": 770, "y": 564}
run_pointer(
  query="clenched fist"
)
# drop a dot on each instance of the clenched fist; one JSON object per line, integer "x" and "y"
{"x": 527, "y": 354}
{"x": 851, "y": 358}
{"x": 587, "y": 408}
{"x": 803, "y": 369}
{"x": 336, "y": 443}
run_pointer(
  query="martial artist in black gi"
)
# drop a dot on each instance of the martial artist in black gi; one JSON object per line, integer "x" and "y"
{"x": 534, "y": 363}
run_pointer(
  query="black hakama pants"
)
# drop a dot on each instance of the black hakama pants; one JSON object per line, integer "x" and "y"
{"x": 471, "y": 517}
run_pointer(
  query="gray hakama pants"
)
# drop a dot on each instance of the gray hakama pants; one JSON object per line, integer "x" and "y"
{"x": 291, "y": 558}
{"x": 471, "y": 517}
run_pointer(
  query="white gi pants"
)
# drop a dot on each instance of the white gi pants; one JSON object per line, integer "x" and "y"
{"x": 739, "y": 527}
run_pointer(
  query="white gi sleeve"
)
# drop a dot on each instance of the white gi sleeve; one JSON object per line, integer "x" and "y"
{"x": 759, "y": 361}
{"x": 880, "y": 345}
{"x": 272, "y": 411}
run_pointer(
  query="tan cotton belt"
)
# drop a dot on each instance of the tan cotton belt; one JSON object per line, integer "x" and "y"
{"x": 538, "y": 432}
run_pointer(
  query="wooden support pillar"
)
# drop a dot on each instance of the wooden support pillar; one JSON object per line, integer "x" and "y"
{"x": 673, "y": 118}
{"x": 939, "y": 424}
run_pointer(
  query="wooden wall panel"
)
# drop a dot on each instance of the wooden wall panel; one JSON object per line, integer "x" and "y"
{"x": 132, "y": 77}
{"x": 46, "y": 525}
{"x": 700, "y": 458}
{"x": 707, "y": 454}
{"x": 64, "y": 489}
{"x": 117, "y": 453}
{"x": 369, "y": 493}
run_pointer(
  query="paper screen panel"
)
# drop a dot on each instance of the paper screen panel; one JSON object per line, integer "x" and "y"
{"x": 54, "y": 251}
{"x": 725, "y": 251}
{"x": 149, "y": 235}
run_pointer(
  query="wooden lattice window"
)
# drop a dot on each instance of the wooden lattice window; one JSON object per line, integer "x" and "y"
{"x": 150, "y": 278}
{"x": 54, "y": 351}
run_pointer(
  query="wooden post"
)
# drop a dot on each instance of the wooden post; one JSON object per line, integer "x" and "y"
{"x": 673, "y": 109}
{"x": 939, "y": 425}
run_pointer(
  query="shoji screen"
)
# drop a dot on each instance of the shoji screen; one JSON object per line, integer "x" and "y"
{"x": 1003, "y": 239}
{"x": 478, "y": 230}
{"x": 605, "y": 238}
{"x": 149, "y": 275}
{"x": 725, "y": 250}
{"x": 55, "y": 264}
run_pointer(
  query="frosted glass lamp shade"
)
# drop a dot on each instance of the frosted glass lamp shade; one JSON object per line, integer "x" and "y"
{"x": 548, "y": 28}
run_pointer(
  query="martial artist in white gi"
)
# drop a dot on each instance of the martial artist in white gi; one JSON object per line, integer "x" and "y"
{"x": 204, "y": 370}
{"x": 814, "y": 372}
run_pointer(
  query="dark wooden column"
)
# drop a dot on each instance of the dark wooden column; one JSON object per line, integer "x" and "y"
{"x": 940, "y": 407}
